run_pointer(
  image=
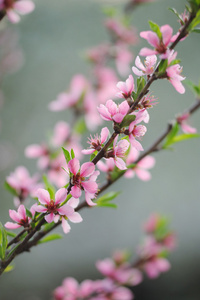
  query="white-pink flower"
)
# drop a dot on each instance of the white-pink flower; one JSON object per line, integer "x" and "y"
{"x": 54, "y": 210}
{"x": 38, "y": 151}
{"x": 173, "y": 74}
{"x": 147, "y": 68}
{"x": 107, "y": 166}
{"x": 15, "y": 8}
{"x": 160, "y": 45}
{"x": 96, "y": 142}
{"x": 79, "y": 182}
{"x": 137, "y": 131}
{"x": 119, "y": 151}
{"x": 125, "y": 88}
{"x": 182, "y": 120}
{"x": 113, "y": 112}
{"x": 20, "y": 217}
{"x": 141, "y": 168}
{"x": 22, "y": 182}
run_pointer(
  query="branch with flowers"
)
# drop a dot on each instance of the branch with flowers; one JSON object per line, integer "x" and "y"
{"x": 117, "y": 154}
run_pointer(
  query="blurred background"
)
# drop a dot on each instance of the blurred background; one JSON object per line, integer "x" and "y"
{"x": 54, "y": 39}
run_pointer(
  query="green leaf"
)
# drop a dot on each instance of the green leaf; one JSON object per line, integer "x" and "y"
{"x": 195, "y": 22}
{"x": 177, "y": 14}
{"x": 195, "y": 88}
{"x": 51, "y": 237}
{"x": 184, "y": 136}
{"x": 68, "y": 197}
{"x": 66, "y": 154}
{"x": 49, "y": 186}
{"x": 128, "y": 119}
{"x": 109, "y": 11}
{"x": 140, "y": 85}
{"x": 80, "y": 126}
{"x": 92, "y": 156}
{"x": 28, "y": 213}
{"x": 9, "y": 268}
{"x": 72, "y": 154}
{"x": 154, "y": 27}
{"x": 171, "y": 135}
{"x": 197, "y": 30}
{"x": 174, "y": 62}
{"x": 10, "y": 189}
{"x": 105, "y": 199}
{"x": 12, "y": 234}
{"x": 3, "y": 242}
{"x": 163, "y": 66}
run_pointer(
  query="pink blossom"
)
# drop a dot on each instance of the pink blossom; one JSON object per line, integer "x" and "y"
{"x": 125, "y": 88}
{"x": 152, "y": 223}
{"x": 20, "y": 217}
{"x": 97, "y": 142}
{"x": 182, "y": 120}
{"x": 54, "y": 210}
{"x": 149, "y": 67}
{"x": 122, "y": 274}
{"x": 21, "y": 181}
{"x": 13, "y": 8}
{"x": 79, "y": 181}
{"x": 155, "y": 266}
{"x": 137, "y": 131}
{"x": 108, "y": 166}
{"x": 79, "y": 85}
{"x": 61, "y": 134}
{"x": 160, "y": 45}
{"x": 141, "y": 168}
{"x": 112, "y": 111}
{"x": 38, "y": 151}
{"x": 119, "y": 150}
{"x": 123, "y": 33}
{"x": 123, "y": 59}
{"x": 173, "y": 74}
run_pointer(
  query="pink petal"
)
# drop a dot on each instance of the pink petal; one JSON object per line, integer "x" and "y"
{"x": 76, "y": 191}
{"x": 112, "y": 107}
{"x": 177, "y": 85}
{"x": 137, "y": 72}
{"x": 87, "y": 151}
{"x": 49, "y": 218}
{"x": 124, "y": 107}
{"x": 162, "y": 264}
{"x": 118, "y": 118}
{"x": 87, "y": 169}
{"x": 40, "y": 208}
{"x": 147, "y": 162}
{"x": 22, "y": 212}
{"x": 12, "y": 16}
{"x": 120, "y": 163}
{"x": 74, "y": 166}
{"x": 187, "y": 128}
{"x": 147, "y": 51}
{"x": 11, "y": 225}
{"x": 75, "y": 218}
{"x": 14, "y": 215}
{"x": 88, "y": 198}
{"x": 129, "y": 174}
{"x": 102, "y": 167}
{"x": 34, "y": 151}
{"x": 166, "y": 34}
{"x": 142, "y": 174}
{"x": 60, "y": 196}
{"x": 104, "y": 134}
{"x": 43, "y": 196}
{"x": 90, "y": 186}
{"x": 139, "y": 64}
{"x": 66, "y": 210}
{"x": 135, "y": 143}
{"x": 66, "y": 227}
{"x": 73, "y": 202}
{"x": 24, "y": 6}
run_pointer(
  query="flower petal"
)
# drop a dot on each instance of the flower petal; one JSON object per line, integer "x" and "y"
{"x": 60, "y": 196}
{"x": 43, "y": 196}
{"x": 75, "y": 218}
{"x": 87, "y": 169}
{"x": 74, "y": 166}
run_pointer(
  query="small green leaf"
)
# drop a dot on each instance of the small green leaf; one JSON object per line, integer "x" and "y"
{"x": 177, "y": 14}
{"x": 197, "y": 30}
{"x": 105, "y": 204}
{"x": 171, "y": 135}
{"x": 66, "y": 154}
{"x": 80, "y": 126}
{"x": 3, "y": 241}
{"x": 163, "y": 66}
{"x": 9, "y": 268}
{"x": 128, "y": 119}
{"x": 174, "y": 62}
{"x": 92, "y": 156}
{"x": 185, "y": 136}
{"x": 51, "y": 237}
{"x": 105, "y": 199}
{"x": 154, "y": 27}
{"x": 140, "y": 85}
{"x": 109, "y": 11}
{"x": 195, "y": 22}
{"x": 10, "y": 189}
{"x": 195, "y": 88}
{"x": 12, "y": 234}
{"x": 72, "y": 154}
{"x": 28, "y": 213}
{"x": 49, "y": 186}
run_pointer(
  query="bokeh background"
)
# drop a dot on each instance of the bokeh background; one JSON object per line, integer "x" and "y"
{"x": 54, "y": 38}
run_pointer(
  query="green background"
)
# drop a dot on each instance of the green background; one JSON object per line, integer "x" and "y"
{"x": 54, "y": 38}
